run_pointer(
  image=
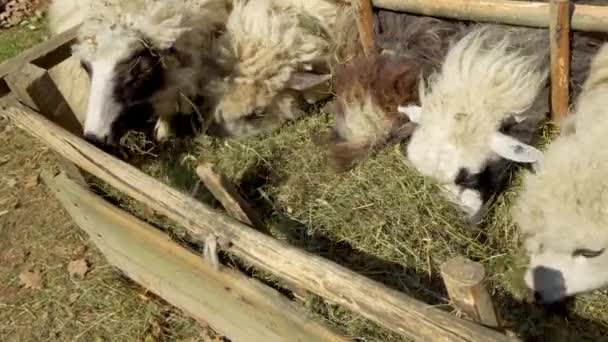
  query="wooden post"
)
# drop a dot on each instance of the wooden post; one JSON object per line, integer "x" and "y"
{"x": 590, "y": 18}
{"x": 33, "y": 86}
{"x": 464, "y": 280}
{"x": 365, "y": 24}
{"x": 559, "y": 28}
{"x": 387, "y": 307}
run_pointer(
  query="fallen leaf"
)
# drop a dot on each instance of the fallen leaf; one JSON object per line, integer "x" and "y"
{"x": 32, "y": 181}
{"x": 78, "y": 268}
{"x": 73, "y": 298}
{"x": 30, "y": 279}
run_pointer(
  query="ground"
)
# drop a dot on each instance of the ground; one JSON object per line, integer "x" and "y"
{"x": 43, "y": 295}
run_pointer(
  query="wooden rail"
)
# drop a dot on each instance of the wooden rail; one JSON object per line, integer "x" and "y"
{"x": 237, "y": 306}
{"x": 524, "y": 13}
{"x": 387, "y": 307}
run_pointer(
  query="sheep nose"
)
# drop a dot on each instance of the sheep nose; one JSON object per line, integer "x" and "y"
{"x": 95, "y": 139}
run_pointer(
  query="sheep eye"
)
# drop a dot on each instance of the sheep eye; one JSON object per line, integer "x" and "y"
{"x": 587, "y": 253}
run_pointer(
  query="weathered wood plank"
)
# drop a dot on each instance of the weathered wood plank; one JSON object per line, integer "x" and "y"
{"x": 225, "y": 192}
{"x": 33, "y": 86}
{"x": 239, "y": 307}
{"x": 387, "y": 307}
{"x": 559, "y": 30}
{"x": 525, "y": 13}
{"x": 44, "y": 55}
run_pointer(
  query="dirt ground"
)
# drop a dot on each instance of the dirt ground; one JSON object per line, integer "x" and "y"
{"x": 54, "y": 284}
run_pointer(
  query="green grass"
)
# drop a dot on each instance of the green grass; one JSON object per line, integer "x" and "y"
{"x": 17, "y": 39}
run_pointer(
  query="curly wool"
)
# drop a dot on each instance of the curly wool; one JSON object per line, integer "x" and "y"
{"x": 566, "y": 203}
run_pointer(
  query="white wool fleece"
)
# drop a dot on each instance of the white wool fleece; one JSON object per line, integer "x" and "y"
{"x": 493, "y": 73}
{"x": 562, "y": 210}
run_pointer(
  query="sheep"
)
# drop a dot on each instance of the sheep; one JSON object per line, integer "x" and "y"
{"x": 273, "y": 53}
{"x": 480, "y": 112}
{"x": 368, "y": 89}
{"x": 562, "y": 210}
{"x": 142, "y": 57}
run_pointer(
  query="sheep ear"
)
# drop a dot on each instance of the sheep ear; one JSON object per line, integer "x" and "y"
{"x": 413, "y": 112}
{"x": 305, "y": 80}
{"x": 512, "y": 149}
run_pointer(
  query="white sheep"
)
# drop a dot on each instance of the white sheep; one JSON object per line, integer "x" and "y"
{"x": 562, "y": 210}
{"x": 273, "y": 52}
{"x": 144, "y": 57}
{"x": 480, "y": 112}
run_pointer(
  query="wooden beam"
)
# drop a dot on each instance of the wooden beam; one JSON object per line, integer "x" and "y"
{"x": 559, "y": 30}
{"x": 33, "y": 86}
{"x": 524, "y": 13}
{"x": 464, "y": 280}
{"x": 387, "y": 307}
{"x": 237, "y": 306}
{"x": 44, "y": 55}
{"x": 365, "y": 24}
{"x": 225, "y": 192}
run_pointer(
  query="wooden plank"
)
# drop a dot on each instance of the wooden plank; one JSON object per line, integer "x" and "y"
{"x": 524, "y": 13}
{"x": 225, "y": 192}
{"x": 33, "y": 86}
{"x": 44, "y": 55}
{"x": 381, "y": 304}
{"x": 559, "y": 29}
{"x": 239, "y": 307}
{"x": 465, "y": 282}
{"x": 365, "y": 24}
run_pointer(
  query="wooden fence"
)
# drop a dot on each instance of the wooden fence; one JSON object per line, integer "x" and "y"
{"x": 234, "y": 304}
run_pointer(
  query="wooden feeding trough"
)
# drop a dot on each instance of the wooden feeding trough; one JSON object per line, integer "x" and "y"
{"x": 236, "y": 305}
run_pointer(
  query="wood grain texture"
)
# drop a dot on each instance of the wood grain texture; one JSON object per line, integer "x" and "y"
{"x": 237, "y": 306}
{"x": 44, "y": 55}
{"x": 387, "y": 307}
{"x": 524, "y": 13}
{"x": 559, "y": 29}
{"x": 465, "y": 282}
{"x": 227, "y": 193}
{"x": 34, "y": 87}
{"x": 365, "y": 24}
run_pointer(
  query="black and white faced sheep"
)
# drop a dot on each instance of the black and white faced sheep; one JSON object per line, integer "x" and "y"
{"x": 562, "y": 210}
{"x": 143, "y": 57}
{"x": 479, "y": 113}
{"x": 274, "y": 52}
{"x": 369, "y": 89}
